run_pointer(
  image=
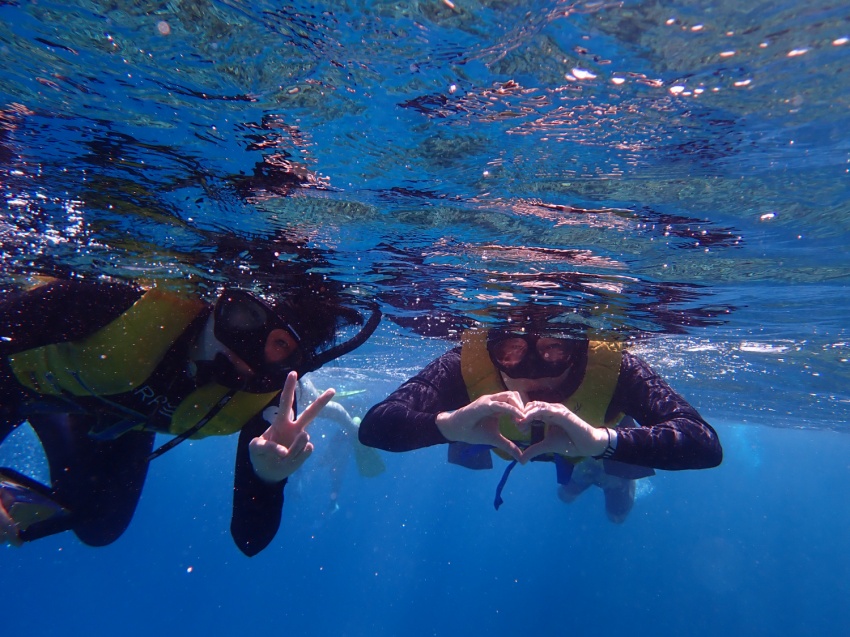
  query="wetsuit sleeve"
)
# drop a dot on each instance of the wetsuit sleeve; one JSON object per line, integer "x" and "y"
{"x": 257, "y": 505}
{"x": 672, "y": 434}
{"x": 407, "y": 419}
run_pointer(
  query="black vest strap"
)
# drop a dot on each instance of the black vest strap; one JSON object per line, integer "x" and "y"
{"x": 195, "y": 428}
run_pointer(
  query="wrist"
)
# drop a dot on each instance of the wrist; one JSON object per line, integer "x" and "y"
{"x": 443, "y": 421}
{"x": 266, "y": 476}
{"x": 610, "y": 444}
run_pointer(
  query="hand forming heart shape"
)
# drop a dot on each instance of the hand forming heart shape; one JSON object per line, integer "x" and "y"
{"x": 478, "y": 423}
{"x": 566, "y": 433}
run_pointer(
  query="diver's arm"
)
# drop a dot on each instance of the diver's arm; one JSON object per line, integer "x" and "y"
{"x": 272, "y": 446}
{"x": 407, "y": 419}
{"x": 672, "y": 434}
{"x": 257, "y": 505}
{"x": 307, "y": 393}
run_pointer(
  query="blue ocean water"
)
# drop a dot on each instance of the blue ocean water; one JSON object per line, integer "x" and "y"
{"x": 677, "y": 173}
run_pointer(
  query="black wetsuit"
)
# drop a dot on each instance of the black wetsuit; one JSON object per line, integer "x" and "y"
{"x": 672, "y": 434}
{"x": 100, "y": 481}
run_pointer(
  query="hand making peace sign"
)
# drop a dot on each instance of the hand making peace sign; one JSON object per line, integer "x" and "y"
{"x": 283, "y": 447}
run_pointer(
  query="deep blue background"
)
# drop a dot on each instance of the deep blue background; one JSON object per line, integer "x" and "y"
{"x": 756, "y": 546}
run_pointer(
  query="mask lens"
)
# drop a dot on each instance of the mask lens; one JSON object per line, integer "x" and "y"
{"x": 553, "y": 351}
{"x": 280, "y": 346}
{"x": 237, "y": 315}
{"x": 256, "y": 334}
{"x": 509, "y": 352}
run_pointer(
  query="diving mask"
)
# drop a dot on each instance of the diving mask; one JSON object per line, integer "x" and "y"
{"x": 530, "y": 355}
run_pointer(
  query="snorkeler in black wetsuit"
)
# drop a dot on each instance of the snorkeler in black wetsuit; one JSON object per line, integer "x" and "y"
{"x": 99, "y": 368}
{"x": 531, "y": 396}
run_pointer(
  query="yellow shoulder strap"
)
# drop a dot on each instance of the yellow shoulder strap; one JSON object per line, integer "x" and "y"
{"x": 479, "y": 374}
{"x": 230, "y": 419}
{"x": 592, "y": 398}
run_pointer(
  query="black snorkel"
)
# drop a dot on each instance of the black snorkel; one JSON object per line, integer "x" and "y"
{"x": 313, "y": 362}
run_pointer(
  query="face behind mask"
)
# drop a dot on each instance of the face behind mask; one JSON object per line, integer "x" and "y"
{"x": 247, "y": 345}
{"x": 259, "y": 345}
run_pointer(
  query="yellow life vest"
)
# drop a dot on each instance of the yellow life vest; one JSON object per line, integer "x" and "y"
{"x": 590, "y": 401}
{"x": 239, "y": 409}
{"x": 119, "y": 358}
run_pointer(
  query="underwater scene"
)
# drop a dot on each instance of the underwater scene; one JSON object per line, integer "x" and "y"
{"x": 670, "y": 177}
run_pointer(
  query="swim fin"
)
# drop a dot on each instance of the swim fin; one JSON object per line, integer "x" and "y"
{"x": 25, "y": 502}
{"x": 369, "y": 463}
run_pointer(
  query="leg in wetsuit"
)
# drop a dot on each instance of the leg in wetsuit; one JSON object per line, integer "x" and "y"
{"x": 98, "y": 482}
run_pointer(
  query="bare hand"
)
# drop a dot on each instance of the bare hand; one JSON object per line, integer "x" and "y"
{"x": 566, "y": 433}
{"x": 478, "y": 422}
{"x": 285, "y": 446}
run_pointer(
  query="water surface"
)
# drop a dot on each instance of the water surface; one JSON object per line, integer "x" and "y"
{"x": 676, "y": 173}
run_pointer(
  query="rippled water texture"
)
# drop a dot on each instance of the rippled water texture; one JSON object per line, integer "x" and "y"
{"x": 676, "y": 172}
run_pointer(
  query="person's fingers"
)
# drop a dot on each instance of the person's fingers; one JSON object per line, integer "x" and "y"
{"x": 260, "y": 444}
{"x": 537, "y": 404}
{"x": 304, "y": 454}
{"x": 541, "y": 448}
{"x": 537, "y": 410}
{"x": 295, "y": 462}
{"x": 309, "y": 414}
{"x": 511, "y": 398}
{"x": 506, "y": 408}
{"x": 299, "y": 444}
{"x": 287, "y": 396}
{"x": 496, "y": 439}
{"x": 272, "y": 449}
{"x": 555, "y": 441}
{"x": 269, "y": 452}
{"x": 509, "y": 448}
{"x": 298, "y": 453}
{"x": 549, "y": 414}
{"x": 275, "y": 462}
{"x": 537, "y": 449}
{"x": 287, "y": 400}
